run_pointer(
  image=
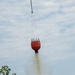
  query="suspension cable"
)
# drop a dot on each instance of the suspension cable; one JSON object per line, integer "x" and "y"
{"x": 31, "y": 6}
{"x": 33, "y": 21}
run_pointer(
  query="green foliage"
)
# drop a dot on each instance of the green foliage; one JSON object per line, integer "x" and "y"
{"x": 14, "y": 74}
{"x": 5, "y": 70}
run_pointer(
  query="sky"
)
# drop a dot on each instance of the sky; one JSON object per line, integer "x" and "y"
{"x": 53, "y": 22}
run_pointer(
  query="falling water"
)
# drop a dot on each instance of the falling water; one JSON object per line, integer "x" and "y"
{"x": 37, "y": 63}
{"x": 37, "y": 66}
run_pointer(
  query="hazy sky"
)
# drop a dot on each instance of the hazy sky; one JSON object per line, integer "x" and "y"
{"x": 53, "y": 22}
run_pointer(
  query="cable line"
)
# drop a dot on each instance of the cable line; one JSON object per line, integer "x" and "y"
{"x": 31, "y": 6}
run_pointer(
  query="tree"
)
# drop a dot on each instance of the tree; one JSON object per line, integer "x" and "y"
{"x": 5, "y": 70}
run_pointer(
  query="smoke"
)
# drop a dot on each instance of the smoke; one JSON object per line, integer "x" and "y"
{"x": 37, "y": 66}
